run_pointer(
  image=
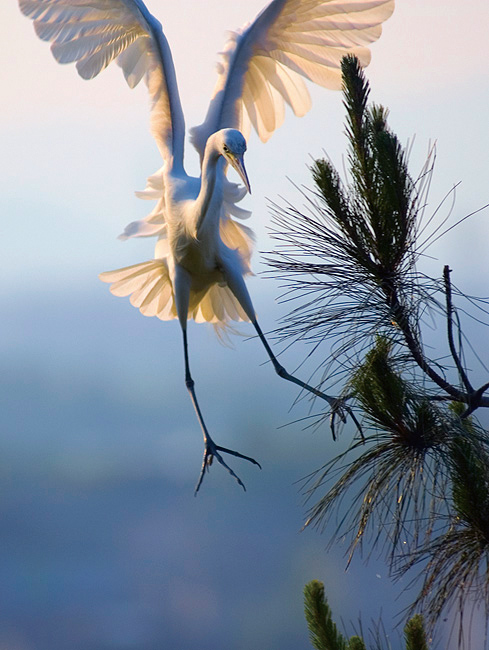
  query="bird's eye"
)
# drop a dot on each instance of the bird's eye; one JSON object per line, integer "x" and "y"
{"x": 225, "y": 148}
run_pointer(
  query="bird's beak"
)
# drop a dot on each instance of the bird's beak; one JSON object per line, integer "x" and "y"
{"x": 238, "y": 163}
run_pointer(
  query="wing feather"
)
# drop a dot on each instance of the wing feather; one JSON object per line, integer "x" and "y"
{"x": 133, "y": 61}
{"x": 262, "y": 97}
{"x": 93, "y": 33}
{"x": 303, "y": 38}
{"x": 290, "y": 86}
{"x": 327, "y": 75}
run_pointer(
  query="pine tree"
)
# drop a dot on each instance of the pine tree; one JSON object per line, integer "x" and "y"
{"x": 417, "y": 468}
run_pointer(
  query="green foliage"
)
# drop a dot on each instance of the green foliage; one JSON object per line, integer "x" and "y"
{"x": 397, "y": 473}
{"x": 325, "y": 636}
{"x": 353, "y": 257}
{"x": 356, "y": 643}
{"x": 469, "y": 457}
{"x": 471, "y": 498}
{"x": 389, "y": 402}
{"x": 375, "y": 215}
{"x": 322, "y": 631}
{"x": 458, "y": 565}
{"x": 414, "y": 634}
{"x": 382, "y": 187}
{"x": 417, "y": 472}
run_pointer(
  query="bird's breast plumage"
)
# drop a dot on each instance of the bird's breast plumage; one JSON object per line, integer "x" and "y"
{"x": 196, "y": 251}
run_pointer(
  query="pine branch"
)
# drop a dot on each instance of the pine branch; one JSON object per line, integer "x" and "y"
{"x": 356, "y": 643}
{"x": 421, "y": 476}
{"x": 325, "y": 636}
{"x": 414, "y": 634}
{"x": 322, "y": 631}
{"x": 364, "y": 244}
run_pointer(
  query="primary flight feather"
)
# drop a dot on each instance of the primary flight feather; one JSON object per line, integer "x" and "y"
{"x": 202, "y": 253}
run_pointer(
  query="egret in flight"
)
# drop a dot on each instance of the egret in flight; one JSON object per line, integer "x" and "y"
{"x": 202, "y": 252}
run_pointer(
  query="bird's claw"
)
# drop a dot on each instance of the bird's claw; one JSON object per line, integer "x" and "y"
{"x": 340, "y": 409}
{"x": 211, "y": 451}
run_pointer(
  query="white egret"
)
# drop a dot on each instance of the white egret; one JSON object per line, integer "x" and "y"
{"x": 203, "y": 253}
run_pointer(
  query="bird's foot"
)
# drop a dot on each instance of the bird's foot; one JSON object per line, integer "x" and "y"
{"x": 339, "y": 409}
{"x": 211, "y": 451}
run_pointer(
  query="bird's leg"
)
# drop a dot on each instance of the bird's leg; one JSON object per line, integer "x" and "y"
{"x": 338, "y": 406}
{"x": 237, "y": 285}
{"x": 211, "y": 450}
{"x": 281, "y": 372}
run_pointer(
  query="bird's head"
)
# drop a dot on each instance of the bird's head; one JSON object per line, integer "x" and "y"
{"x": 232, "y": 146}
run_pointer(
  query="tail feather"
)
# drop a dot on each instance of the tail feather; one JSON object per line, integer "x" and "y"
{"x": 232, "y": 306}
{"x": 165, "y": 309}
{"x": 150, "y": 288}
{"x": 149, "y": 306}
{"x": 144, "y": 295}
{"x": 121, "y": 276}
{"x": 218, "y": 306}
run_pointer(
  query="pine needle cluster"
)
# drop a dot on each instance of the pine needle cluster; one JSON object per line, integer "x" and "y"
{"x": 324, "y": 634}
{"x": 395, "y": 477}
{"x": 457, "y": 571}
{"x": 350, "y": 261}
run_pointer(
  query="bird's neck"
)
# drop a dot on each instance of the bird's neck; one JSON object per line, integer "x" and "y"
{"x": 213, "y": 169}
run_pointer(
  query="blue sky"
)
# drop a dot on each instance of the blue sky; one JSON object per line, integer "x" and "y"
{"x": 104, "y": 541}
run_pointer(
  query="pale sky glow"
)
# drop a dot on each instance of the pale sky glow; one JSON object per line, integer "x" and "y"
{"x": 429, "y": 69}
{"x": 72, "y": 154}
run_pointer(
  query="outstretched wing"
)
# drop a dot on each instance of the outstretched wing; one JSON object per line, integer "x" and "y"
{"x": 95, "y": 32}
{"x": 263, "y": 64}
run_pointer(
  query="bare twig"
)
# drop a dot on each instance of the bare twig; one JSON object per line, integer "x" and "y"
{"x": 450, "y": 309}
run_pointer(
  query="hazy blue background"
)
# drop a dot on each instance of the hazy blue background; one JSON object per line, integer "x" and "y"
{"x": 103, "y": 545}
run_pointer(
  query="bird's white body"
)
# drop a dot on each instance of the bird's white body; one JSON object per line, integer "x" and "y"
{"x": 200, "y": 249}
{"x": 202, "y": 252}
